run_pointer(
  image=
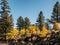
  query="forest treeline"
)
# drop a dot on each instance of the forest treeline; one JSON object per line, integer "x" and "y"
{"x": 39, "y": 33}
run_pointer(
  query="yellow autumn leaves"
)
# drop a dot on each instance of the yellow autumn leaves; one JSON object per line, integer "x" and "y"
{"x": 44, "y": 32}
{"x": 32, "y": 30}
{"x": 56, "y": 25}
{"x": 12, "y": 34}
{"x": 23, "y": 33}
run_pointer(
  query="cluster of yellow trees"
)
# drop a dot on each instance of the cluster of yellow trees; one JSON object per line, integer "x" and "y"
{"x": 32, "y": 30}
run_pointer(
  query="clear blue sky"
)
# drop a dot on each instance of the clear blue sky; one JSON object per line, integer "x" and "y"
{"x": 31, "y": 8}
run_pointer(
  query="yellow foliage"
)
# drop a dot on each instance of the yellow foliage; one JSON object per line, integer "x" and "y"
{"x": 28, "y": 32}
{"x": 56, "y": 25}
{"x": 12, "y": 34}
{"x": 22, "y": 32}
{"x": 44, "y": 32}
{"x": 33, "y": 29}
{"x": 38, "y": 32}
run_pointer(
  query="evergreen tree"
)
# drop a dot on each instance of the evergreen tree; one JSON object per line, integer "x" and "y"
{"x": 5, "y": 7}
{"x": 20, "y": 23}
{"x": 6, "y": 21}
{"x": 27, "y": 22}
{"x": 40, "y": 20}
{"x": 56, "y": 13}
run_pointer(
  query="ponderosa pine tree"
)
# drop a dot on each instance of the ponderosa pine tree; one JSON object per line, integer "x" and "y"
{"x": 27, "y": 22}
{"x": 56, "y": 13}
{"x": 40, "y": 20}
{"x": 6, "y": 21}
{"x": 20, "y": 23}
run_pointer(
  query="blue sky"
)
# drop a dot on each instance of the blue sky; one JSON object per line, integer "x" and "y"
{"x": 31, "y": 9}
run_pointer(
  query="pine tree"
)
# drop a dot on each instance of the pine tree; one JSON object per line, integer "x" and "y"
{"x": 40, "y": 20}
{"x": 56, "y": 13}
{"x": 6, "y": 21}
{"x": 5, "y": 7}
{"x": 20, "y": 23}
{"x": 27, "y": 22}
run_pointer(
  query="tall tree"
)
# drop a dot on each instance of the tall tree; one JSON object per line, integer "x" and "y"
{"x": 40, "y": 20}
{"x": 6, "y": 22}
{"x": 27, "y": 22}
{"x": 56, "y": 13}
{"x": 5, "y": 7}
{"x": 20, "y": 23}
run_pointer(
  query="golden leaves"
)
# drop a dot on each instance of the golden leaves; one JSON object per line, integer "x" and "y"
{"x": 44, "y": 32}
{"x": 56, "y": 25}
{"x": 32, "y": 30}
{"x": 12, "y": 34}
